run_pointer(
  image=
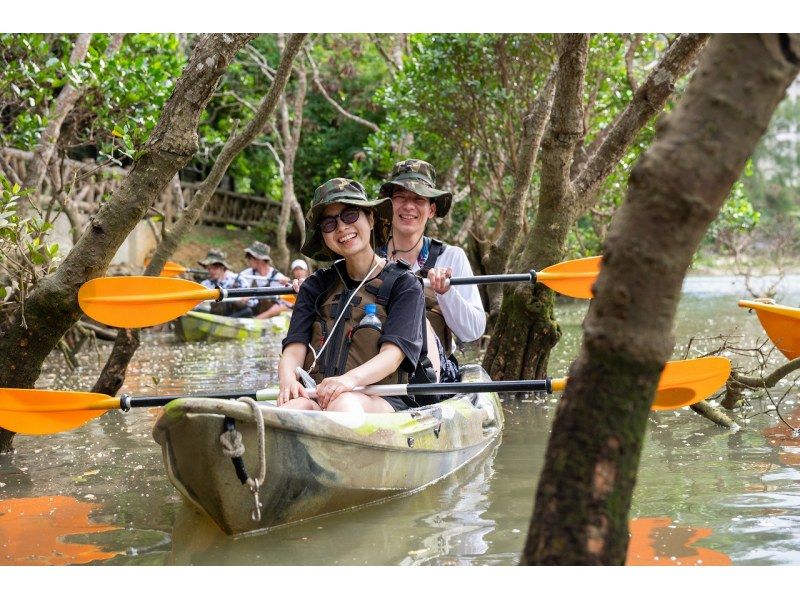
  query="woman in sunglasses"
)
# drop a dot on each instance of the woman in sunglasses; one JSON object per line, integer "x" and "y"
{"x": 329, "y": 336}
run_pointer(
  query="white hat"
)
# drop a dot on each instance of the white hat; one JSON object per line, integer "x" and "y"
{"x": 299, "y": 264}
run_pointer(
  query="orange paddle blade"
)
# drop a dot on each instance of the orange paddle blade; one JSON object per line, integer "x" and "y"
{"x": 32, "y": 411}
{"x": 573, "y": 278}
{"x": 690, "y": 381}
{"x": 139, "y": 301}
{"x": 172, "y": 269}
{"x": 682, "y": 383}
{"x": 781, "y": 323}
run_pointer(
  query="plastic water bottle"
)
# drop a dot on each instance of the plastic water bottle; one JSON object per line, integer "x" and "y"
{"x": 370, "y": 318}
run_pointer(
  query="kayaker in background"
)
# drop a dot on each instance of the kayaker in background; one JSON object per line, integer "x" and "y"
{"x": 452, "y": 311}
{"x": 261, "y": 273}
{"x": 299, "y": 270}
{"x": 333, "y": 334}
{"x": 221, "y": 276}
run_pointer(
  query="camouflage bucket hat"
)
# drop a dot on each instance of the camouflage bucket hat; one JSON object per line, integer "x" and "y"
{"x": 258, "y": 250}
{"x": 215, "y": 256}
{"x": 419, "y": 177}
{"x": 348, "y": 192}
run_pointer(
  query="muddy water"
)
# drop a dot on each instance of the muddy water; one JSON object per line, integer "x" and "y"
{"x": 99, "y": 495}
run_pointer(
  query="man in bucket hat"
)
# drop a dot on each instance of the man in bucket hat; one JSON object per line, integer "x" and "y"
{"x": 453, "y": 312}
{"x": 261, "y": 273}
{"x": 220, "y": 276}
{"x": 219, "y": 271}
{"x": 359, "y": 321}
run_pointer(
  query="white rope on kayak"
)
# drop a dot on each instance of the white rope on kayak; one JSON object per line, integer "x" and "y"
{"x": 232, "y": 446}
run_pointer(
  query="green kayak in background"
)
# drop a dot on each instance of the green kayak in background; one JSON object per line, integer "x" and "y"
{"x": 203, "y": 326}
{"x": 319, "y": 462}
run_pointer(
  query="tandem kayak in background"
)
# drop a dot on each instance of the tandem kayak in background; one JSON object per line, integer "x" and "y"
{"x": 203, "y": 326}
{"x": 317, "y": 462}
{"x": 781, "y": 323}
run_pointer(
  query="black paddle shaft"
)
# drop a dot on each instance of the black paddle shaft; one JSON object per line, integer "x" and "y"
{"x": 254, "y": 292}
{"x": 273, "y": 291}
{"x": 498, "y": 386}
{"x": 127, "y": 401}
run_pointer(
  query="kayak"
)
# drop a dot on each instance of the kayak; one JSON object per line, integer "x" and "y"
{"x": 318, "y": 463}
{"x": 203, "y": 326}
{"x": 781, "y": 323}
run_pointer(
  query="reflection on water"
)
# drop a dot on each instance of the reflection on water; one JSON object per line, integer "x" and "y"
{"x": 734, "y": 494}
{"x": 42, "y": 531}
{"x": 657, "y": 541}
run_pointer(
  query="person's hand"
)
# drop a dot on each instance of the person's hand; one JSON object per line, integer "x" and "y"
{"x": 296, "y": 284}
{"x": 439, "y": 278}
{"x": 330, "y": 388}
{"x": 291, "y": 390}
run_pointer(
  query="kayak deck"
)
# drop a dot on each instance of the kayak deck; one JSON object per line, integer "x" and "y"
{"x": 319, "y": 463}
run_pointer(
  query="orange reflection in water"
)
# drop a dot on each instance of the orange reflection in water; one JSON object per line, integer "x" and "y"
{"x": 782, "y": 436}
{"x": 654, "y": 542}
{"x": 33, "y": 531}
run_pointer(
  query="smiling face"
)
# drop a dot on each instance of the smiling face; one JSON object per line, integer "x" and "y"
{"x": 411, "y": 212}
{"x": 347, "y": 239}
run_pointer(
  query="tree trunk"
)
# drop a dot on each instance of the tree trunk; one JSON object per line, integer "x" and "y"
{"x": 533, "y": 127}
{"x": 113, "y": 375}
{"x": 566, "y": 195}
{"x": 675, "y": 191}
{"x": 52, "y": 308}
{"x": 291, "y": 127}
{"x": 518, "y": 320}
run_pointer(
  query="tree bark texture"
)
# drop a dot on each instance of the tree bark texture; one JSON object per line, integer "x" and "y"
{"x": 567, "y": 193}
{"x": 675, "y": 191}
{"x": 53, "y": 306}
{"x": 113, "y": 375}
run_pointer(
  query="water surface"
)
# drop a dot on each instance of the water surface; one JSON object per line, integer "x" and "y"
{"x": 99, "y": 494}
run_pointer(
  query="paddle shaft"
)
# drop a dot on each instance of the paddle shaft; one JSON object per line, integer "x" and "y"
{"x": 442, "y": 388}
{"x": 126, "y": 402}
{"x": 273, "y": 291}
{"x": 381, "y": 390}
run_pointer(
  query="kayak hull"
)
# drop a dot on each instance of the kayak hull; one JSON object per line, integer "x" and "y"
{"x": 197, "y": 326}
{"x": 319, "y": 463}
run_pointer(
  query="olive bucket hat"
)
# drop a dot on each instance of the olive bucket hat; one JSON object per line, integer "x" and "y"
{"x": 215, "y": 256}
{"x": 419, "y": 177}
{"x": 348, "y": 192}
{"x": 258, "y": 250}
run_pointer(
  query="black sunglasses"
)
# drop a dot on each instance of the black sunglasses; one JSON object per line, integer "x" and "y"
{"x": 347, "y": 216}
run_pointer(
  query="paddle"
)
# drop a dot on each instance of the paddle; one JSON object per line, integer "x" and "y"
{"x": 31, "y": 411}
{"x": 138, "y": 301}
{"x": 175, "y": 269}
{"x": 781, "y": 323}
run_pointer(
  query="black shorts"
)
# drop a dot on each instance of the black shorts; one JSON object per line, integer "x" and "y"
{"x": 401, "y": 403}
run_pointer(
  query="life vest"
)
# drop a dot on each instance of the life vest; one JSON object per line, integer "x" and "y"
{"x": 353, "y": 345}
{"x": 266, "y": 302}
{"x": 433, "y": 310}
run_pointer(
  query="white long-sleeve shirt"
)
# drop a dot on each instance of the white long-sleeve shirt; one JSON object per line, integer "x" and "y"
{"x": 461, "y": 305}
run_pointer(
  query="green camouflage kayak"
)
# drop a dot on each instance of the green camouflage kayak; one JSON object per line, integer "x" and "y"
{"x": 319, "y": 463}
{"x": 203, "y": 326}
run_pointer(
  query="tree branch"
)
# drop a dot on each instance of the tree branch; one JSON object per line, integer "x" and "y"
{"x": 648, "y": 100}
{"x": 64, "y": 103}
{"x": 630, "y": 54}
{"x": 321, "y": 88}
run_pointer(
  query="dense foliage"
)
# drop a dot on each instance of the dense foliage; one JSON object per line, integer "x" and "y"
{"x": 456, "y": 100}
